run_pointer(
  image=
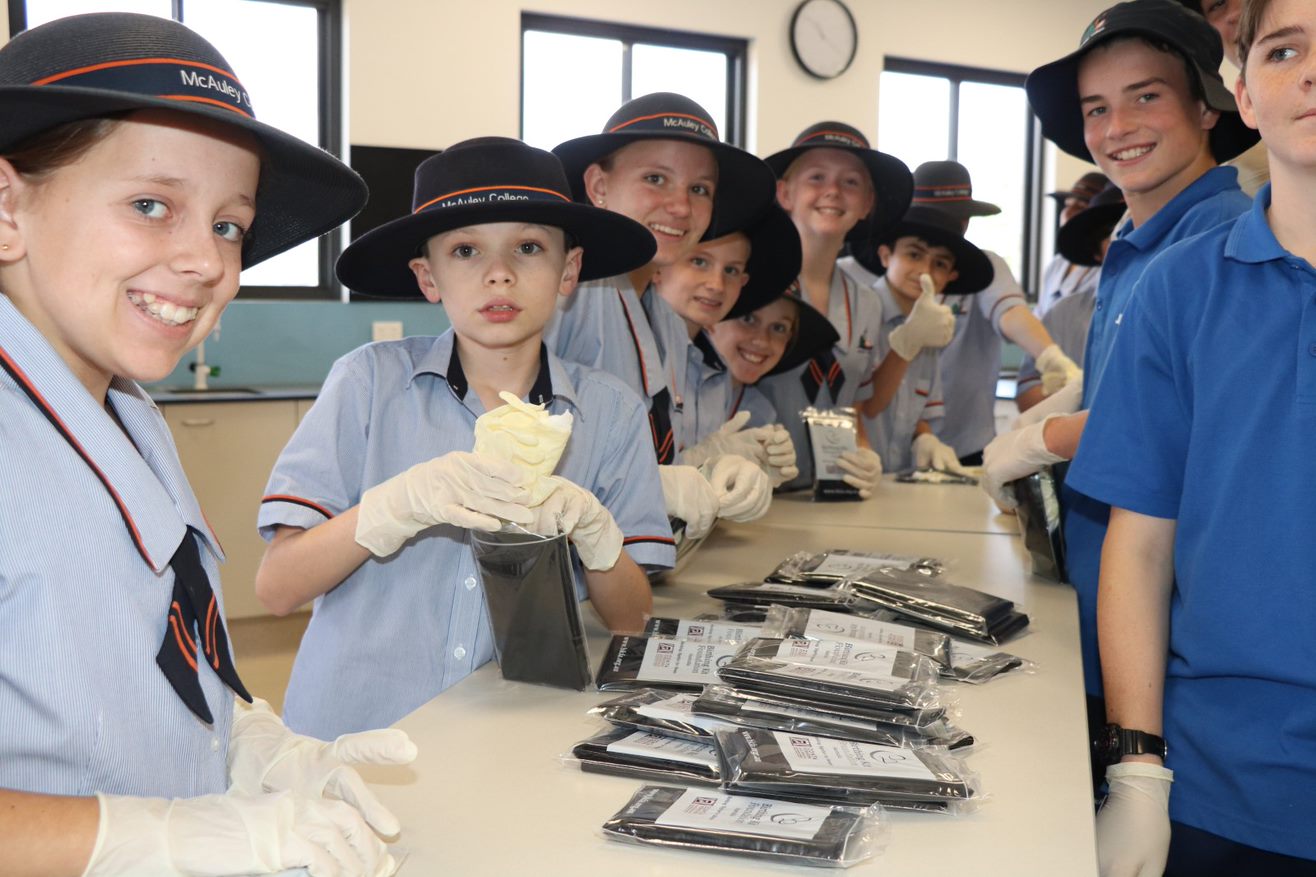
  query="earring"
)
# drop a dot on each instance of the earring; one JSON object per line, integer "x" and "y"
{"x": 601, "y": 203}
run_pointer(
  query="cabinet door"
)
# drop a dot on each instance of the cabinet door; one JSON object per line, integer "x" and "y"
{"x": 228, "y": 450}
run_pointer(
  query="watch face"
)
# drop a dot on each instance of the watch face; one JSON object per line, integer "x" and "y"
{"x": 823, "y": 37}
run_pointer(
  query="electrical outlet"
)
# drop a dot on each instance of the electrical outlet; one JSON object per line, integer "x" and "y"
{"x": 386, "y": 330}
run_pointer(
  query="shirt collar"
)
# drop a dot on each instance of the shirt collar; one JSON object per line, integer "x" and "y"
{"x": 1251, "y": 240}
{"x": 891, "y": 313}
{"x": 139, "y": 469}
{"x": 710, "y": 354}
{"x": 442, "y": 359}
{"x": 1151, "y": 233}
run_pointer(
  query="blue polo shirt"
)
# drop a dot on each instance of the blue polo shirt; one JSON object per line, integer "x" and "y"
{"x": 1214, "y": 385}
{"x": 1212, "y": 199}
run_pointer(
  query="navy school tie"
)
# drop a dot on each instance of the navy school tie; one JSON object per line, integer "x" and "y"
{"x": 823, "y": 369}
{"x": 660, "y": 421}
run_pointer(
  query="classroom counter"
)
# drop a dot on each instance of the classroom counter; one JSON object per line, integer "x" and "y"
{"x": 487, "y": 794}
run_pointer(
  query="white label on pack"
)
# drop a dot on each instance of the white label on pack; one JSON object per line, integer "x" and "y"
{"x": 839, "y": 626}
{"x": 679, "y": 708}
{"x": 839, "y": 564}
{"x": 646, "y": 745}
{"x": 869, "y": 658}
{"x": 853, "y": 678}
{"x": 829, "y": 442}
{"x": 678, "y": 660}
{"x": 799, "y": 712}
{"x": 698, "y": 808}
{"x": 715, "y": 631}
{"x": 823, "y": 755}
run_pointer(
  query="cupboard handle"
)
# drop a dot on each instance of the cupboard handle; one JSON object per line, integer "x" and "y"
{"x": 198, "y": 421}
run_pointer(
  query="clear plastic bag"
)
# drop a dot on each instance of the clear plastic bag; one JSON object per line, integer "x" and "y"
{"x": 938, "y": 603}
{"x": 832, "y": 432}
{"x": 699, "y": 819}
{"x": 832, "y": 596}
{"x": 642, "y": 662}
{"x": 700, "y": 630}
{"x": 648, "y": 755}
{"x": 976, "y": 664}
{"x": 825, "y": 568}
{"x": 1040, "y": 523}
{"x": 822, "y": 624}
{"x": 934, "y": 476}
{"x": 651, "y": 709}
{"x": 530, "y": 592}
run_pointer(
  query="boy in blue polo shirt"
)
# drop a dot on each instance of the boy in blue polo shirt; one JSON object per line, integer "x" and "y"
{"x": 1209, "y": 555}
{"x": 368, "y": 504}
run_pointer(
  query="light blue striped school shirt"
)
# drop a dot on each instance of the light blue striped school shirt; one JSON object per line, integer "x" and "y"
{"x": 85, "y": 585}
{"x": 917, "y": 398}
{"x": 698, "y": 380}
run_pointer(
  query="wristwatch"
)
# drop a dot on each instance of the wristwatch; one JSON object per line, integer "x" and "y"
{"x": 1115, "y": 742}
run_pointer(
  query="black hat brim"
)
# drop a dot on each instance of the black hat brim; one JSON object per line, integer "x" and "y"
{"x": 744, "y": 183}
{"x": 303, "y": 192}
{"x": 974, "y": 269}
{"x": 893, "y": 184}
{"x": 963, "y": 209}
{"x": 1078, "y": 239}
{"x": 377, "y": 263}
{"x": 1053, "y": 93}
{"x": 814, "y": 333}
{"x": 775, "y": 257}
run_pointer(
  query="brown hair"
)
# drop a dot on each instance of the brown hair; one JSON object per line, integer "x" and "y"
{"x": 46, "y": 152}
{"x": 1249, "y": 23}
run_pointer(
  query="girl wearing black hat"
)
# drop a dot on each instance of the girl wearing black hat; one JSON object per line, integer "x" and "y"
{"x": 135, "y": 184}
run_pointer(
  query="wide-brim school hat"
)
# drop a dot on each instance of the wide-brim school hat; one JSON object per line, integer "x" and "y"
{"x": 947, "y": 186}
{"x": 814, "y": 333}
{"x": 109, "y": 63}
{"x": 892, "y": 181}
{"x": 489, "y": 179}
{"x": 1079, "y": 239}
{"x": 940, "y": 229}
{"x": 1084, "y": 189}
{"x": 744, "y": 182}
{"x": 1053, "y": 88}
{"x": 774, "y": 263}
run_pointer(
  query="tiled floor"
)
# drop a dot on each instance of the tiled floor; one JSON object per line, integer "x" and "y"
{"x": 264, "y": 648}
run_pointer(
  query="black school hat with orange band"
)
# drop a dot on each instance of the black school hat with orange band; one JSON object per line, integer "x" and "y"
{"x": 108, "y": 64}
{"x": 744, "y": 182}
{"x": 814, "y": 333}
{"x": 774, "y": 263}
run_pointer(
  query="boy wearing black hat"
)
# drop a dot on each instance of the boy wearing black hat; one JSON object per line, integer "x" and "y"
{"x": 1062, "y": 277}
{"x": 367, "y": 506}
{"x": 1142, "y": 96}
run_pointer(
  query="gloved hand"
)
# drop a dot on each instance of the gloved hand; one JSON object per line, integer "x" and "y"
{"x": 1065, "y": 401}
{"x": 1133, "y": 825}
{"x": 459, "y": 488}
{"x": 931, "y": 452}
{"x": 929, "y": 324}
{"x": 742, "y": 489}
{"x": 1013, "y": 455}
{"x": 690, "y": 497}
{"x": 778, "y": 458}
{"x": 1057, "y": 369}
{"x": 863, "y": 468}
{"x": 583, "y": 518}
{"x": 729, "y": 438}
{"x": 218, "y": 835}
{"x": 264, "y": 756}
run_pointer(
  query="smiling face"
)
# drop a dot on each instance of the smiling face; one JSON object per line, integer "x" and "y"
{"x": 907, "y": 259}
{"x": 665, "y": 185}
{"x": 499, "y": 281}
{"x": 1275, "y": 94}
{"x": 704, "y": 286}
{"x": 752, "y": 345}
{"x": 125, "y": 258}
{"x": 1142, "y": 124}
{"x": 827, "y": 192}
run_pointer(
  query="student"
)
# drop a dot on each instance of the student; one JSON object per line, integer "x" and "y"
{"x": 918, "y": 260}
{"x": 1142, "y": 98}
{"x": 659, "y": 162}
{"x": 837, "y": 189}
{"x": 1060, "y": 277}
{"x": 135, "y": 184}
{"x": 1206, "y": 606}
{"x": 971, "y": 362}
{"x": 367, "y": 506}
{"x": 1081, "y": 242}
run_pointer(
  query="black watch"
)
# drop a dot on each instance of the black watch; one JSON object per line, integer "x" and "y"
{"x": 1116, "y": 742}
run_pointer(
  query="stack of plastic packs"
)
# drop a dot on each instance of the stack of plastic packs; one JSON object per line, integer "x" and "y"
{"x": 935, "y": 602}
{"x": 660, "y": 712}
{"x": 831, "y": 567}
{"x": 700, "y": 629}
{"x": 649, "y": 756}
{"x": 759, "y": 595}
{"x": 653, "y": 662}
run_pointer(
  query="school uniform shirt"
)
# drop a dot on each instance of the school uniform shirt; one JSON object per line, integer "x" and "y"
{"x": 919, "y": 396}
{"x": 746, "y": 397}
{"x": 401, "y": 629}
{"x": 854, "y": 311}
{"x": 1059, "y": 282}
{"x": 85, "y": 588}
{"x": 1068, "y": 323}
{"x": 971, "y": 363}
{"x": 697, "y": 380}
{"x": 1212, "y": 199}
{"x": 1206, "y": 417}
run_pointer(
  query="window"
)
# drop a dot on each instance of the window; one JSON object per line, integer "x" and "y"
{"x": 980, "y": 118}
{"x": 286, "y": 53}
{"x": 602, "y": 65}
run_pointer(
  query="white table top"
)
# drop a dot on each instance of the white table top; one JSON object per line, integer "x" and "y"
{"x": 487, "y": 794}
{"x": 961, "y": 508}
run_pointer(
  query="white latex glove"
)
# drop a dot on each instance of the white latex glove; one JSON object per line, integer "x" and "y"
{"x": 264, "y": 756}
{"x": 742, "y": 489}
{"x": 1013, "y": 455}
{"x": 1064, "y": 401}
{"x": 931, "y": 452}
{"x": 729, "y": 438}
{"x": 778, "y": 458}
{"x": 929, "y": 324}
{"x": 1057, "y": 369}
{"x": 690, "y": 497}
{"x": 1133, "y": 825}
{"x": 218, "y": 835}
{"x": 459, "y": 488}
{"x": 863, "y": 468}
{"x": 583, "y": 518}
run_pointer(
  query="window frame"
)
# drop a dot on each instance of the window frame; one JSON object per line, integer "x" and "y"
{"x": 330, "y": 44}
{"x": 735, "y": 48}
{"x": 1033, "y": 205}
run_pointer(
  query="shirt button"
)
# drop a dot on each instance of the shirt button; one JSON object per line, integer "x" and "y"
{"x": 214, "y": 744}
{"x": 469, "y": 583}
{"x": 1100, "y": 304}
{"x": 459, "y": 652}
